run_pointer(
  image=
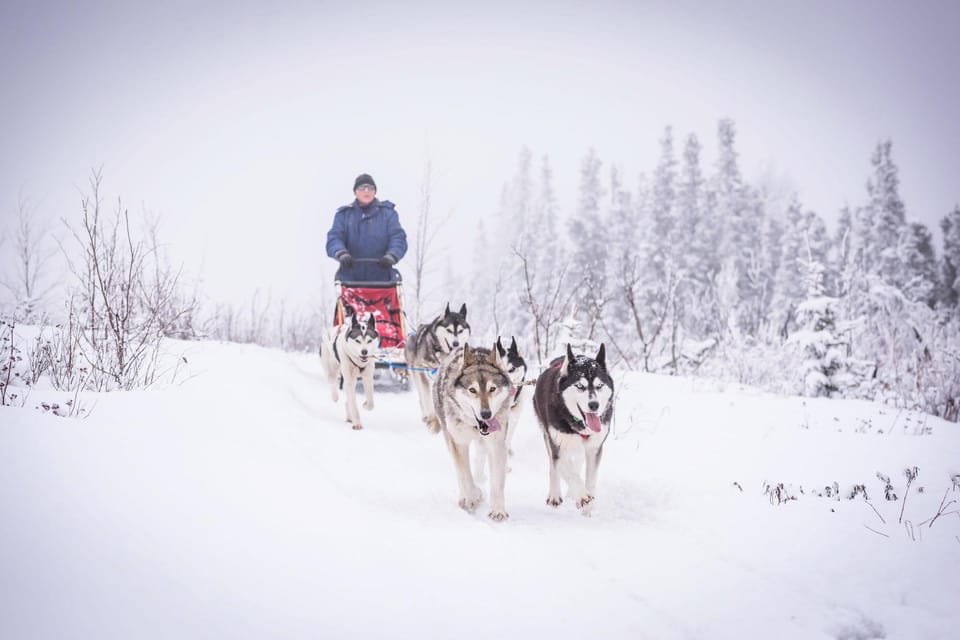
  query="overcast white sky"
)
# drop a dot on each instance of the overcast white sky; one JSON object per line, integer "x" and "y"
{"x": 244, "y": 124}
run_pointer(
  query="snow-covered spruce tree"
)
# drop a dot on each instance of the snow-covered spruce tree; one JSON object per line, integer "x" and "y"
{"x": 739, "y": 212}
{"x": 483, "y": 283}
{"x": 840, "y": 252}
{"x": 543, "y": 265}
{"x": 825, "y": 370}
{"x": 590, "y": 245}
{"x": 919, "y": 278}
{"x": 886, "y": 215}
{"x": 647, "y": 273}
{"x": 631, "y": 235}
{"x": 790, "y": 283}
{"x": 949, "y": 294}
{"x": 665, "y": 249}
{"x": 697, "y": 237}
{"x": 515, "y": 228}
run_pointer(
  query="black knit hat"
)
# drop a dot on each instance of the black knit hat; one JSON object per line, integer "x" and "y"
{"x": 364, "y": 178}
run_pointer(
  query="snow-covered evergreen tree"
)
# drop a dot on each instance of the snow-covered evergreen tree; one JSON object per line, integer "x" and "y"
{"x": 790, "y": 286}
{"x": 825, "y": 369}
{"x": 697, "y": 241}
{"x": 840, "y": 248}
{"x": 483, "y": 285}
{"x": 950, "y": 261}
{"x": 543, "y": 268}
{"x": 696, "y": 235}
{"x": 887, "y": 217}
{"x": 590, "y": 242}
{"x": 740, "y": 212}
{"x": 919, "y": 278}
{"x": 663, "y": 211}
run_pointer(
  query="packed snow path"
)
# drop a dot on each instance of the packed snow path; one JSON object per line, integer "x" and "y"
{"x": 239, "y": 504}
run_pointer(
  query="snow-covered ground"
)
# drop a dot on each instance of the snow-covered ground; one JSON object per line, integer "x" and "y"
{"x": 237, "y": 504}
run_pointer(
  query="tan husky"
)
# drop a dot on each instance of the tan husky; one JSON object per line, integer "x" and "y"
{"x": 471, "y": 397}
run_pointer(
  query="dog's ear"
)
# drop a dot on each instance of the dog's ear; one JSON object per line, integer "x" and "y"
{"x": 468, "y": 358}
{"x": 513, "y": 346}
{"x": 498, "y": 347}
{"x": 494, "y": 357}
{"x": 566, "y": 361}
{"x": 446, "y": 311}
{"x": 354, "y": 321}
{"x": 463, "y": 310}
{"x": 602, "y": 357}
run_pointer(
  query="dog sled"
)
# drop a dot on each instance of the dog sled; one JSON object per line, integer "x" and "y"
{"x": 384, "y": 301}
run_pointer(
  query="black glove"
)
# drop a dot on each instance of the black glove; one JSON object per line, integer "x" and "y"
{"x": 387, "y": 261}
{"x": 346, "y": 260}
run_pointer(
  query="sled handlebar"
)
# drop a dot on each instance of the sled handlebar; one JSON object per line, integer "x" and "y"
{"x": 374, "y": 285}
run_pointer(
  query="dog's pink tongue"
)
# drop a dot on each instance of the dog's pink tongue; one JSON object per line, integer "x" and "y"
{"x": 492, "y": 424}
{"x": 593, "y": 421}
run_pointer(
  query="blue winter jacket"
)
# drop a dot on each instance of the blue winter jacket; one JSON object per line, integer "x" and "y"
{"x": 367, "y": 232}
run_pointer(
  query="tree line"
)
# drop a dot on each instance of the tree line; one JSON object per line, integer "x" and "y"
{"x": 695, "y": 271}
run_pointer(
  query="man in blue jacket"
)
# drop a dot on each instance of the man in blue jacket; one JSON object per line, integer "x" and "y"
{"x": 368, "y": 229}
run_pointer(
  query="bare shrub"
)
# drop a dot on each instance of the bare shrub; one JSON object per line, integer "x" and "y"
{"x": 123, "y": 301}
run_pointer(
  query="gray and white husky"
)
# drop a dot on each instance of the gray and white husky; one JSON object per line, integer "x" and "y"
{"x": 347, "y": 355}
{"x": 471, "y": 398}
{"x": 516, "y": 368}
{"x": 427, "y": 347}
{"x": 573, "y": 400}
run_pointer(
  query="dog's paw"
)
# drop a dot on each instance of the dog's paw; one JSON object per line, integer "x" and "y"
{"x": 356, "y": 426}
{"x": 433, "y": 424}
{"x": 469, "y": 504}
{"x": 584, "y": 503}
{"x": 498, "y": 515}
{"x": 554, "y": 501}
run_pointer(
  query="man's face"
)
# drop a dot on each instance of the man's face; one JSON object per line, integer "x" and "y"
{"x": 365, "y": 194}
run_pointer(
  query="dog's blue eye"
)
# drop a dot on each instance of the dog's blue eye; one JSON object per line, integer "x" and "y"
{"x": 473, "y": 391}
{"x": 492, "y": 389}
{"x": 598, "y": 385}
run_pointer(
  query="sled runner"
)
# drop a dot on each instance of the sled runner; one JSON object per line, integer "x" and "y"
{"x": 384, "y": 301}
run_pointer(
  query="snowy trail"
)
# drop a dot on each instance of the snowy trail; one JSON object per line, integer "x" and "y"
{"x": 239, "y": 504}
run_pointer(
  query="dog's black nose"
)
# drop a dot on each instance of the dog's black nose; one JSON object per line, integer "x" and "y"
{"x": 456, "y": 343}
{"x": 363, "y": 352}
{"x": 594, "y": 405}
{"x": 485, "y": 414}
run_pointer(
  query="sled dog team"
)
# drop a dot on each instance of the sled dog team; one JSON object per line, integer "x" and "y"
{"x": 476, "y": 397}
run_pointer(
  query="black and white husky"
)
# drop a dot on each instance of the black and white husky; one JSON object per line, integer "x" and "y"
{"x": 425, "y": 349}
{"x": 471, "y": 398}
{"x": 516, "y": 368}
{"x": 347, "y": 355}
{"x": 573, "y": 400}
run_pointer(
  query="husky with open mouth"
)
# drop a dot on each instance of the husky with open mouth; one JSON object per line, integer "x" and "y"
{"x": 516, "y": 368}
{"x": 471, "y": 397}
{"x": 573, "y": 400}
{"x": 347, "y": 355}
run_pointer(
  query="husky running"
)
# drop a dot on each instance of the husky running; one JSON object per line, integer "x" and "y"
{"x": 348, "y": 355}
{"x": 471, "y": 397}
{"x": 573, "y": 400}
{"x": 516, "y": 368}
